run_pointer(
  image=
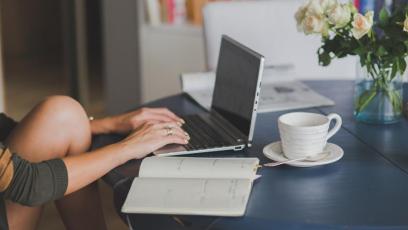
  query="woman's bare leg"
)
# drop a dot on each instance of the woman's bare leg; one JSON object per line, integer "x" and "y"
{"x": 56, "y": 128}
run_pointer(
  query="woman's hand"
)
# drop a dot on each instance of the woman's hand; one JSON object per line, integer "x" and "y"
{"x": 85, "y": 168}
{"x": 127, "y": 122}
{"x": 150, "y": 137}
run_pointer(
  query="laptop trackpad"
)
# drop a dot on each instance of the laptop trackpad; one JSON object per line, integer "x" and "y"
{"x": 170, "y": 149}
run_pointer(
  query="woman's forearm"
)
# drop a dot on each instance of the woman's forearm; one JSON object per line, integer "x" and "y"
{"x": 35, "y": 183}
{"x": 86, "y": 168}
{"x": 102, "y": 126}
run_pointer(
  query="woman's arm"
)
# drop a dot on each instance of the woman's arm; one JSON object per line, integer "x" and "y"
{"x": 32, "y": 183}
{"x": 36, "y": 183}
{"x": 85, "y": 168}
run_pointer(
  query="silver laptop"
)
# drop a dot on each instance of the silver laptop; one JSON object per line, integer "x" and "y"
{"x": 230, "y": 123}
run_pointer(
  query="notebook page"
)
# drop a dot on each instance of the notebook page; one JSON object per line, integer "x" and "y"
{"x": 219, "y": 197}
{"x": 195, "y": 167}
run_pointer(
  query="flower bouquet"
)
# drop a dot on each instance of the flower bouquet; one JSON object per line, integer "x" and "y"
{"x": 381, "y": 46}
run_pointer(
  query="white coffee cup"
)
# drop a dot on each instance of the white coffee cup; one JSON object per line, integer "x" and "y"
{"x": 306, "y": 134}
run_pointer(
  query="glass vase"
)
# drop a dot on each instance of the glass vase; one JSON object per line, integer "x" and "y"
{"x": 377, "y": 96}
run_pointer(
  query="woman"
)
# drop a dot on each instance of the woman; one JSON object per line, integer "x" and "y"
{"x": 44, "y": 158}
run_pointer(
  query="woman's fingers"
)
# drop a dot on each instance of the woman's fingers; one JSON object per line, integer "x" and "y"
{"x": 175, "y": 140}
{"x": 158, "y": 117}
{"x": 151, "y": 137}
{"x": 174, "y": 132}
{"x": 164, "y": 125}
{"x": 134, "y": 120}
{"x": 172, "y": 129}
{"x": 166, "y": 112}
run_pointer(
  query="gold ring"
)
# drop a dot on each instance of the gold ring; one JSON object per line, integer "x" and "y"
{"x": 169, "y": 131}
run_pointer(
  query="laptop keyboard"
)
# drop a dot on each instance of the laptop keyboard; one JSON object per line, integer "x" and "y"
{"x": 202, "y": 135}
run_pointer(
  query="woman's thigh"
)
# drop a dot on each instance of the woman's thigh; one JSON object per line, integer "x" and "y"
{"x": 55, "y": 128}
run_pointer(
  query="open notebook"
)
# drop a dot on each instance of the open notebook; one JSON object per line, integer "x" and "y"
{"x": 192, "y": 186}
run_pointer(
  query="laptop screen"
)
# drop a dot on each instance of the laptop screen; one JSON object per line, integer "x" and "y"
{"x": 236, "y": 83}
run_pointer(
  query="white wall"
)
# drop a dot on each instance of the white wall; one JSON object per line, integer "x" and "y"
{"x": 121, "y": 62}
{"x": 166, "y": 53}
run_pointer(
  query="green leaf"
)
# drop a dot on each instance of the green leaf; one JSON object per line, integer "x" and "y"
{"x": 395, "y": 99}
{"x": 402, "y": 65}
{"x": 368, "y": 62}
{"x": 359, "y": 51}
{"x": 368, "y": 57}
{"x": 395, "y": 68}
{"x": 384, "y": 16}
{"x": 362, "y": 60}
{"x": 324, "y": 58}
{"x": 364, "y": 99}
{"x": 381, "y": 51}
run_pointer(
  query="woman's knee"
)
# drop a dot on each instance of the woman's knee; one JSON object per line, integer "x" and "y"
{"x": 70, "y": 117}
{"x": 62, "y": 108}
{"x": 56, "y": 127}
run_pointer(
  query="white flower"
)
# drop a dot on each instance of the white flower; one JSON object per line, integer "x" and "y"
{"x": 300, "y": 16}
{"x": 315, "y": 24}
{"x": 320, "y": 7}
{"x": 328, "y": 5}
{"x": 312, "y": 17}
{"x": 406, "y": 24}
{"x": 362, "y": 24}
{"x": 352, "y": 8}
{"x": 339, "y": 16}
{"x": 315, "y": 7}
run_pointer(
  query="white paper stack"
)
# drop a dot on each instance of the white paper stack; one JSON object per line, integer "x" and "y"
{"x": 277, "y": 93}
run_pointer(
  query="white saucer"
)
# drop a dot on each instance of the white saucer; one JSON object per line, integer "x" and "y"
{"x": 274, "y": 152}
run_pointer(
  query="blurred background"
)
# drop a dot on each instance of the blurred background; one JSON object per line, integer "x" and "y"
{"x": 39, "y": 41}
{"x": 110, "y": 55}
{"x": 36, "y": 63}
{"x": 104, "y": 53}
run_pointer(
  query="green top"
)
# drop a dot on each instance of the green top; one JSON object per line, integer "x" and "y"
{"x": 24, "y": 182}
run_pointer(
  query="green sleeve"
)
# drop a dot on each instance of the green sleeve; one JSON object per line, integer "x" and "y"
{"x": 36, "y": 183}
{"x": 6, "y": 126}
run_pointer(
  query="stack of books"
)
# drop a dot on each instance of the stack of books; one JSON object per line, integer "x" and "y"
{"x": 175, "y": 12}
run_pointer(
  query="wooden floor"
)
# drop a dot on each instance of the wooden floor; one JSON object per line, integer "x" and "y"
{"x": 27, "y": 83}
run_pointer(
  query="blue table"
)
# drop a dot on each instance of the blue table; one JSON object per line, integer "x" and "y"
{"x": 366, "y": 189}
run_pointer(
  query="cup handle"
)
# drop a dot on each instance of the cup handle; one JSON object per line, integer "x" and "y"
{"x": 336, "y": 127}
